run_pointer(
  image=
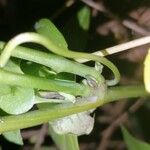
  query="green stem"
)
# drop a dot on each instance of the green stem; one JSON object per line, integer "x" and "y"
{"x": 121, "y": 92}
{"x": 55, "y": 62}
{"x": 43, "y": 84}
{"x": 102, "y": 60}
{"x": 39, "y": 39}
{"x": 37, "y": 117}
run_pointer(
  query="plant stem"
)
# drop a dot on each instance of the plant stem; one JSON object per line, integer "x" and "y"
{"x": 120, "y": 48}
{"x": 121, "y": 92}
{"x": 55, "y": 62}
{"x": 37, "y": 117}
{"x": 43, "y": 84}
{"x": 51, "y": 46}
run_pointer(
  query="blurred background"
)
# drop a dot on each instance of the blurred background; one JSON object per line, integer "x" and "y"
{"x": 111, "y": 23}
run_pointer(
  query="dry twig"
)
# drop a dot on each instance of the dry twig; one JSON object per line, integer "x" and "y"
{"x": 127, "y": 23}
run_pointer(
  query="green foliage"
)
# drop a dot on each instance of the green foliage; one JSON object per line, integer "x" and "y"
{"x": 48, "y": 29}
{"x": 84, "y": 17}
{"x": 78, "y": 26}
{"x": 133, "y": 143}
{"x": 30, "y": 68}
{"x": 13, "y": 66}
{"x": 16, "y": 100}
{"x": 14, "y": 136}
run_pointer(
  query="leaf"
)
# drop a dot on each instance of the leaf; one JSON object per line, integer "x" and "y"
{"x": 147, "y": 72}
{"x": 84, "y": 17}
{"x": 13, "y": 67}
{"x": 65, "y": 141}
{"x": 14, "y": 137}
{"x": 30, "y": 68}
{"x": 76, "y": 29}
{"x": 48, "y": 29}
{"x": 16, "y": 100}
{"x": 133, "y": 143}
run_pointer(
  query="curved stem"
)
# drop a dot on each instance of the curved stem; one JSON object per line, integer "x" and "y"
{"x": 37, "y": 38}
{"x": 102, "y": 60}
{"x": 37, "y": 117}
{"x": 55, "y": 62}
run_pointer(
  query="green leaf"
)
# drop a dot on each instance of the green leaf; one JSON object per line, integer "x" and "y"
{"x": 76, "y": 29}
{"x": 13, "y": 67}
{"x": 65, "y": 141}
{"x": 133, "y": 143}
{"x": 16, "y": 100}
{"x": 147, "y": 72}
{"x": 48, "y": 29}
{"x": 30, "y": 68}
{"x": 14, "y": 137}
{"x": 84, "y": 17}
{"x": 35, "y": 69}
